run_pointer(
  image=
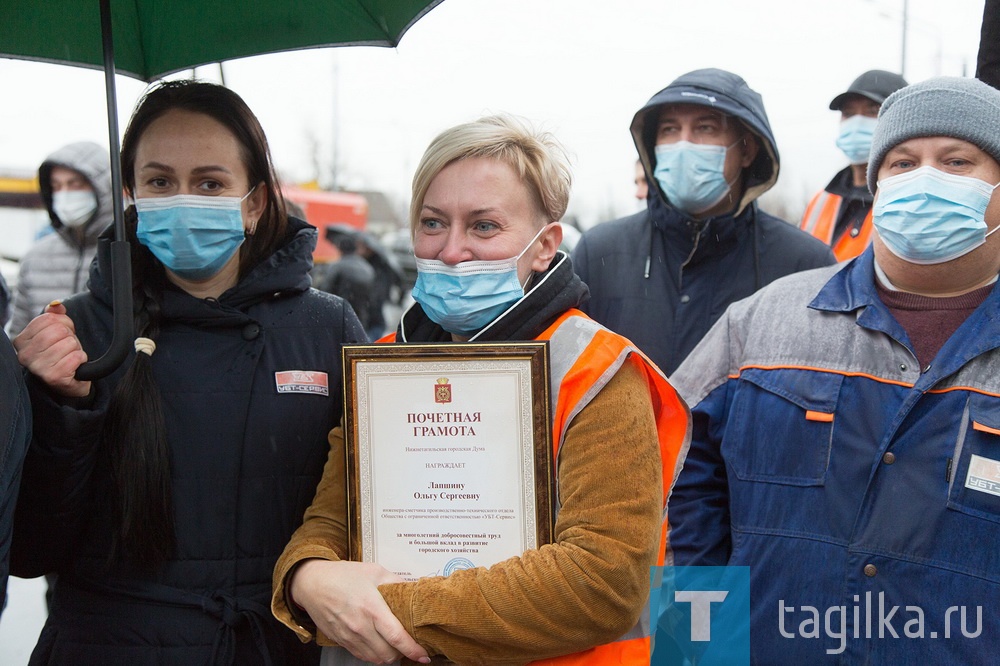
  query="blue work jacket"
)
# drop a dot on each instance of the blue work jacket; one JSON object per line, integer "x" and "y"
{"x": 848, "y": 478}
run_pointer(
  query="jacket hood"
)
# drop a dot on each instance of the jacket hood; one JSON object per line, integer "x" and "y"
{"x": 725, "y": 92}
{"x": 94, "y": 163}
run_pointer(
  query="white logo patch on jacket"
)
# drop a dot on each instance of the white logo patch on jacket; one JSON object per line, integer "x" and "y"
{"x": 302, "y": 381}
{"x": 984, "y": 475}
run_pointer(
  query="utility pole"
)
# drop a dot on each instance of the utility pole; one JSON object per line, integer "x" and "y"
{"x": 902, "y": 64}
{"x": 336, "y": 127}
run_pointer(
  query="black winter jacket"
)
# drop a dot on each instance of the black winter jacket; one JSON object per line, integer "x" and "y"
{"x": 988, "y": 60}
{"x": 644, "y": 286}
{"x": 352, "y": 278}
{"x": 247, "y": 445}
{"x": 15, "y": 433}
{"x": 661, "y": 278}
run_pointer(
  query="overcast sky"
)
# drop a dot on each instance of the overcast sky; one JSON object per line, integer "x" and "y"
{"x": 580, "y": 68}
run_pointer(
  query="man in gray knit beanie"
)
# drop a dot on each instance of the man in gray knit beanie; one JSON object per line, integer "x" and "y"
{"x": 934, "y": 163}
{"x": 845, "y": 432}
{"x": 944, "y": 106}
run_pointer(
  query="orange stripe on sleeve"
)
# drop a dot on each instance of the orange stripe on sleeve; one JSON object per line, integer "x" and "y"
{"x": 822, "y": 417}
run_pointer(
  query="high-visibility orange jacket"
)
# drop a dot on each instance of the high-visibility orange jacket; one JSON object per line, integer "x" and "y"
{"x": 820, "y": 220}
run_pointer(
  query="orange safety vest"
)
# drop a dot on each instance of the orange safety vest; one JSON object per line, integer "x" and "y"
{"x": 820, "y": 220}
{"x": 583, "y": 357}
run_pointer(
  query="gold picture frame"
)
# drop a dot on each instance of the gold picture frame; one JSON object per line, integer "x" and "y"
{"x": 449, "y": 454}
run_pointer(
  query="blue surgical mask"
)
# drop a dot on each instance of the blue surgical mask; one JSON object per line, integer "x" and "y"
{"x": 691, "y": 174}
{"x": 926, "y": 216}
{"x": 193, "y": 236}
{"x": 855, "y": 138}
{"x": 464, "y": 298}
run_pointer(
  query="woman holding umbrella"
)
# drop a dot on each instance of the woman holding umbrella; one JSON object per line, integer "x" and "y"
{"x": 487, "y": 199}
{"x": 163, "y": 494}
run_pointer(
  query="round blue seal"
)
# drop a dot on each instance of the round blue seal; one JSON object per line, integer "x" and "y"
{"x": 457, "y": 563}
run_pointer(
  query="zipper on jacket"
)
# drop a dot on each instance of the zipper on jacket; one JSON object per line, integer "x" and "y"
{"x": 79, "y": 268}
{"x": 959, "y": 445}
{"x": 694, "y": 248}
{"x": 649, "y": 255}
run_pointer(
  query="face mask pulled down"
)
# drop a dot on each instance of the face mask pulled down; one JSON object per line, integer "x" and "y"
{"x": 926, "y": 216}
{"x": 193, "y": 236}
{"x": 464, "y": 298}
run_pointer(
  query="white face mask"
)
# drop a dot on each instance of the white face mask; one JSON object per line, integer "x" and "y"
{"x": 74, "y": 208}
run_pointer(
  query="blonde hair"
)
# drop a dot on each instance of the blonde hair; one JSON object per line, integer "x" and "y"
{"x": 537, "y": 157}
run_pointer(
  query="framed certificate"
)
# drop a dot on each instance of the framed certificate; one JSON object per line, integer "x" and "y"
{"x": 449, "y": 455}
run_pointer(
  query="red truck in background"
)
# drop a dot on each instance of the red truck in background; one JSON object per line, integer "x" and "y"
{"x": 323, "y": 208}
{"x": 23, "y": 218}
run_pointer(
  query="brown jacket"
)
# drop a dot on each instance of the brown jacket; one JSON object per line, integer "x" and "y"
{"x": 585, "y": 589}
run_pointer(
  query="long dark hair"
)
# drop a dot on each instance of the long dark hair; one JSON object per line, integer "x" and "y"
{"x": 135, "y": 431}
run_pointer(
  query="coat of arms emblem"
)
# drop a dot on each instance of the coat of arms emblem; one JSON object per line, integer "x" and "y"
{"x": 442, "y": 390}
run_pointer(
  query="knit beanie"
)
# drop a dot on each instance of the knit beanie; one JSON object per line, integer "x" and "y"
{"x": 966, "y": 109}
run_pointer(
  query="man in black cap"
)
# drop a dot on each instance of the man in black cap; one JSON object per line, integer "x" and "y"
{"x": 841, "y": 214}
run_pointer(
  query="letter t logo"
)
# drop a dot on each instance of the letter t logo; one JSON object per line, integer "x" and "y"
{"x": 701, "y": 610}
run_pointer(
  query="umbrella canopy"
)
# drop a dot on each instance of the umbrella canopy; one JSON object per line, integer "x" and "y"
{"x": 149, "y": 39}
{"x": 380, "y": 253}
{"x": 153, "y": 38}
{"x": 342, "y": 236}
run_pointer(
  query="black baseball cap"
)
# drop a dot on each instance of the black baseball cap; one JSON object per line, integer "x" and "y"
{"x": 876, "y": 85}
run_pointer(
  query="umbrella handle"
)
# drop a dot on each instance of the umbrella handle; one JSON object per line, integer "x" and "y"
{"x": 122, "y": 334}
{"x": 121, "y": 256}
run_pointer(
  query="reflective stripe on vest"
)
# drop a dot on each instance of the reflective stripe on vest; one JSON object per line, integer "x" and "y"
{"x": 820, "y": 220}
{"x": 583, "y": 357}
{"x": 820, "y": 213}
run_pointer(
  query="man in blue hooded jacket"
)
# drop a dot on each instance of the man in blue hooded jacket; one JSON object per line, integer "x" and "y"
{"x": 663, "y": 276}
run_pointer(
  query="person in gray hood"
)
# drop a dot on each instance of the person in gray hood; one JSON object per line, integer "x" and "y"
{"x": 75, "y": 182}
{"x": 663, "y": 276}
